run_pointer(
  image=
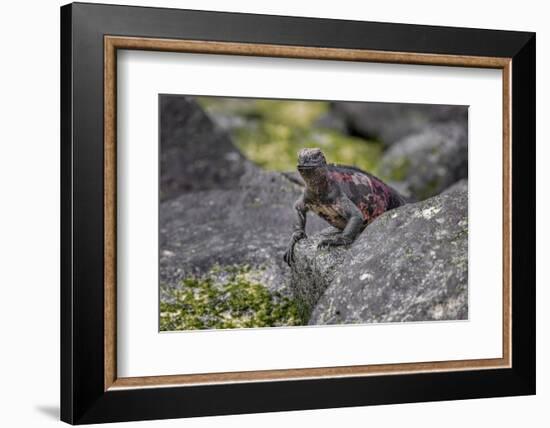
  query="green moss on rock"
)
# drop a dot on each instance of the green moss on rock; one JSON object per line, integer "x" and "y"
{"x": 273, "y": 131}
{"x": 225, "y": 297}
{"x": 275, "y": 146}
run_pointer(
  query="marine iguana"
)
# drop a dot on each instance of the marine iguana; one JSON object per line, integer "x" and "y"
{"x": 346, "y": 197}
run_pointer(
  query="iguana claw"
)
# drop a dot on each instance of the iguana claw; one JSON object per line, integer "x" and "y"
{"x": 289, "y": 254}
{"x": 335, "y": 241}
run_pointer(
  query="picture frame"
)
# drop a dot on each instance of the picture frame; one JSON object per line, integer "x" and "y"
{"x": 91, "y": 35}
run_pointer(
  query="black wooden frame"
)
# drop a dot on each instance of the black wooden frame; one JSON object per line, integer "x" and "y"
{"x": 83, "y": 399}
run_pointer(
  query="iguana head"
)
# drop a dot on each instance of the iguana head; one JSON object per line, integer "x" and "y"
{"x": 312, "y": 166}
{"x": 311, "y": 158}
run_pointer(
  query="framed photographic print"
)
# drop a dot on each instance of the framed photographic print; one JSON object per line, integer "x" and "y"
{"x": 265, "y": 213}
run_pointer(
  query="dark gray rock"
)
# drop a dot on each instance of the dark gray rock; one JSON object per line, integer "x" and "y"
{"x": 461, "y": 185}
{"x": 410, "y": 264}
{"x": 390, "y": 122}
{"x": 429, "y": 161}
{"x": 195, "y": 154}
{"x": 335, "y": 122}
{"x": 314, "y": 269}
{"x": 250, "y": 224}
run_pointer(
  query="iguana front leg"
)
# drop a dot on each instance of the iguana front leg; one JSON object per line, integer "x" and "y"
{"x": 300, "y": 210}
{"x": 353, "y": 228}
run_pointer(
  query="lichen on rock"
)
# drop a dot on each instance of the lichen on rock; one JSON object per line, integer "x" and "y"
{"x": 225, "y": 297}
